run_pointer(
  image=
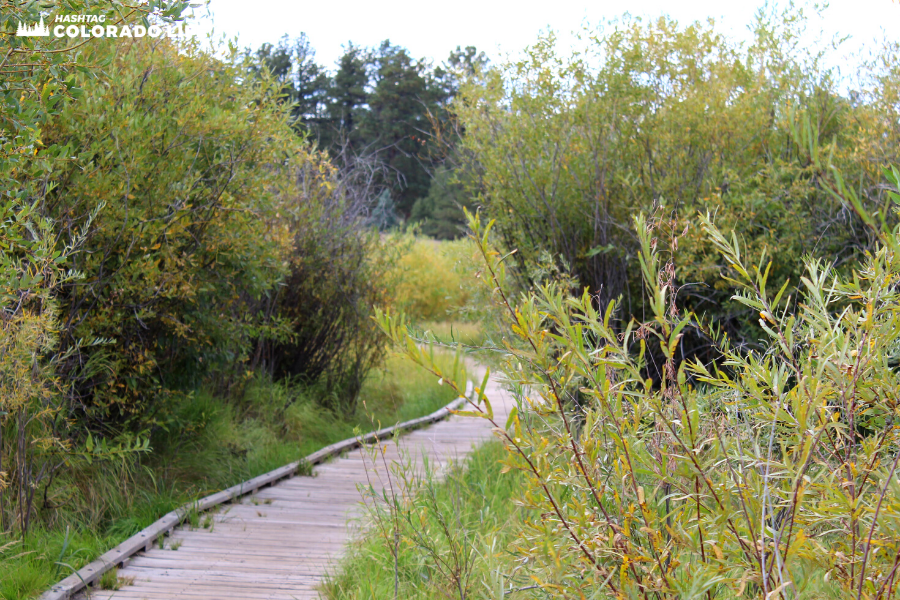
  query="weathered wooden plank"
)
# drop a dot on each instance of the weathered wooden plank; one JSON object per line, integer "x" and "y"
{"x": 197, "y": 589}
{"x": 235, "y": 564}
{"x": 251, "y": 580}
{"x": 224, "y": 551}
{"x": 213, "y": 575}
{"x": 237, "y": 535}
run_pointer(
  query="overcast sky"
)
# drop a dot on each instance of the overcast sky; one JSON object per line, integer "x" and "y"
{"x": 433, "y": 29}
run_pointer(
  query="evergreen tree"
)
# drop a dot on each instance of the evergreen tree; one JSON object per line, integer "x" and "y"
{"x": 441, "y": 211}
{"x": 304, "y": 82}
{"x": 384, "y": 105}
{"x": 461, "y": 64}
{"x": 402, "y": 107}
{"x": 383, "y": 215}
{"x": 310, "y": 83}
{"x": 346, "y": 100}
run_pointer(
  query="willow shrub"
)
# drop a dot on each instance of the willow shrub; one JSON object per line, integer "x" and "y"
{"x": 222, "y": 243}
{"x": 30, "y": 270}
{"x": 173, "y": 156}
{"x": 770, "y": 473}
{"x": 569, "y": 145}
{"x": 38, "y": 82}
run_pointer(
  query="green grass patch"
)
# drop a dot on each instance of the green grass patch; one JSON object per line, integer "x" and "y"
{"x": 218, "y": 444}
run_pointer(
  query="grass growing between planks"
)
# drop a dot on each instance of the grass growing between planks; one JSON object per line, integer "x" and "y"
{"x": 216, "y": 445}
{"x": 445, "y": 539}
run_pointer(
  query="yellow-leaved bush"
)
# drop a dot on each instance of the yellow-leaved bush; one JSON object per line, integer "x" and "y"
{"x": 428, "y": 279}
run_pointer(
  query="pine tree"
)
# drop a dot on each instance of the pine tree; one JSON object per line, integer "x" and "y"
{"x": 402, "y": 106}
{"x": 441, "y": 211}
{"x": 304, "y": 82}
{"x": 347, "y": 98}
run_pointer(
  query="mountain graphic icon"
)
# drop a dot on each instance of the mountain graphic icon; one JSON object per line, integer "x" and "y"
{"x": 39, "y": 30}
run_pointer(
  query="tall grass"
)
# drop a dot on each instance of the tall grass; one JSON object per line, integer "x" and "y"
{"x": 218, "y": 444}
{"x": 438, "y": 292}
{"x": 436, "y": 281}
{"x": 428, "y": 284}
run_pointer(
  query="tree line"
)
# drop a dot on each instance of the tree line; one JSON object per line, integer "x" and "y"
{"x": 382, "y": 104}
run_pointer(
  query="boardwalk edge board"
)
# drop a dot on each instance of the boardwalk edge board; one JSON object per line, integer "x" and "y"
{"x": 144, "y": 539}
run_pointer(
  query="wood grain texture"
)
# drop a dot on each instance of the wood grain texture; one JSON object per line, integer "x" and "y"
{"x": 276, "y": 536}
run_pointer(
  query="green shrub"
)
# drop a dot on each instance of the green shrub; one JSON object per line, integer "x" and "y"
{"x": 175, "y": 156}
{"x": 221, "y": 242}
{"x": 38, "y": 82}
{"x": 185, "y": 239}
{"x": 650, "y": 114}
{"x": 772, "y": 472}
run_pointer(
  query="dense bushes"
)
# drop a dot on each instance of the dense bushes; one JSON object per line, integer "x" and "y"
{"x": 216, "y": 231}
{"x": 206, "y": 241}
{"x": 173, "y": 157}
{"x": 652, "y": 114}
{"x": 774, "y": 474}
{"x": 38, "y": 81}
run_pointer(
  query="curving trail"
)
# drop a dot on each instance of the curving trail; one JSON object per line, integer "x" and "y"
{"x": 278, "y": 543}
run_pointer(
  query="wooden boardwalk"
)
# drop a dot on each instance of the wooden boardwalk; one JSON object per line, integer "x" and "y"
{"x": 278, "y": 543}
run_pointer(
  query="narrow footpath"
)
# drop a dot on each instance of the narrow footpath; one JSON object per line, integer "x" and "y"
{"x": 278, "y": 543}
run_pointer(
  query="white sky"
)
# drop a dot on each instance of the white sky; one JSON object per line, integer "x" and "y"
{"x": 433, "y": 30}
